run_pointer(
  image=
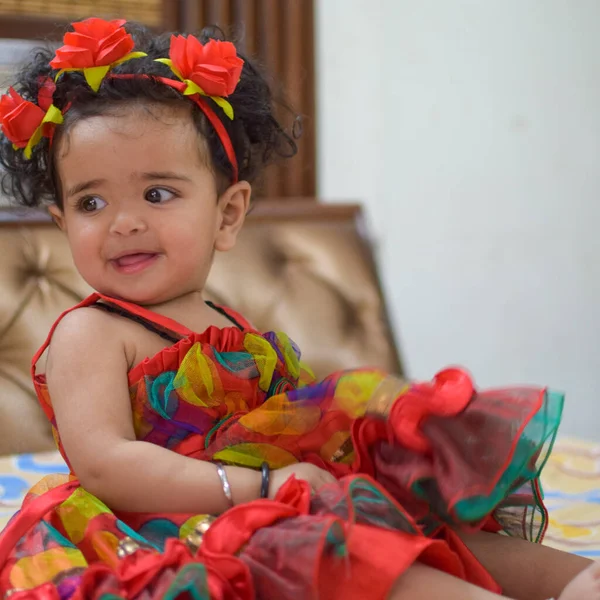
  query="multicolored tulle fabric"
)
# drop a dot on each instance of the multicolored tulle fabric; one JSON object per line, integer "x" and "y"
{"x": 413, "y": 461}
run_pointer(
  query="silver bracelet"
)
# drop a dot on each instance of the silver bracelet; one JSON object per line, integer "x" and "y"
{"x": 224, "y": 482}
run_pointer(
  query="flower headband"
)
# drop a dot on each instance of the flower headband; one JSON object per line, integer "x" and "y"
{"x": 210, "y": 70}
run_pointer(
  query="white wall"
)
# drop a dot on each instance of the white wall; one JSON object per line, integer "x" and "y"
{"x": 470, "y": 130}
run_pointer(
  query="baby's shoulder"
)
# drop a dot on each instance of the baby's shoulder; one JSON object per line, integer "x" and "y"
{"x": 83, "y": 326}
{"x": 85, "y": 341}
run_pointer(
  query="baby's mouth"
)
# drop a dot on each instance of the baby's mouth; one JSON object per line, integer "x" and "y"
{"x": 135, "y": 262}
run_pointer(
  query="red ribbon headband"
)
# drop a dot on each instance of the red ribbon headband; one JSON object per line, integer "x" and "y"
{"x": 210, "y": 70}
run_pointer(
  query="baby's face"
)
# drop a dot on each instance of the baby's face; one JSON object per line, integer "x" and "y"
{"x": 140, "y": 203}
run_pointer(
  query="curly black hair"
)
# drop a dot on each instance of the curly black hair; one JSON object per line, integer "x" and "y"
{"x": 256, "y": 135}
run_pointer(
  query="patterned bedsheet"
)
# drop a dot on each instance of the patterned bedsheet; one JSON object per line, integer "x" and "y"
{"x": 571, "y": 484}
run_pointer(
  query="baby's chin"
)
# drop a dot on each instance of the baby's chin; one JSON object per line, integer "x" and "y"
{"x": 145, "y": 290}
{"x": 143, "y": 297}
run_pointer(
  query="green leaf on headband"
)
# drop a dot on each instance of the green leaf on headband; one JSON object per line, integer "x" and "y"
{"x": 169, "y": 63}
{"x": 33, "y": 141}
{"x": 53, "y": 115}
{"x": 95, "y": 75}
{"x": 129, "y": 57}
{"x": 227, "y": 108}
{"x": 193, "y": 88}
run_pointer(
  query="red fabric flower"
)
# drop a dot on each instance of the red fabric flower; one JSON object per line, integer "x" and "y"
{"x": 25, "y": 123}
{"x": 447, "y": 395}
{"x": 94, "y": 43}
{"x": 214, "y": 67}
{"x": 19, "y": 118}
{"x": 295, "y": 492}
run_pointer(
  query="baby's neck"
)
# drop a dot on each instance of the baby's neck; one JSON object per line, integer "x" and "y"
{"x": 190, "y": 310}
{"x": 185, "y": 304}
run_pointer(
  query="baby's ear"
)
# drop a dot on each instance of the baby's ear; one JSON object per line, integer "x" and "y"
{"x": 57, "y": 216}
{"x": 233, "y": 206}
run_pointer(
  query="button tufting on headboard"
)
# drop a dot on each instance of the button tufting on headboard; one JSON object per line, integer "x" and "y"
{"x": 299, "y": 266}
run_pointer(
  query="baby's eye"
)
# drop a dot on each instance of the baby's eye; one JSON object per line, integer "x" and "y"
{"x": 91, "y": 204}
{"x": 158, "y": 195}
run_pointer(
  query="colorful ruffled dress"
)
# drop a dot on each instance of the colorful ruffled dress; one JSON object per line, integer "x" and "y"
{"x": 413, "y": 462}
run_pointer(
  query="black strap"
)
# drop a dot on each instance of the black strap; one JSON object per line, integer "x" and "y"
{"x": 149, "y": 325}
{"x": 224, "y": 313}
{"x": 153, "y": 327}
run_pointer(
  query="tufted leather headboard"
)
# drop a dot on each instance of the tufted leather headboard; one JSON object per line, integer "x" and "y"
{"x": 299, "y": 266}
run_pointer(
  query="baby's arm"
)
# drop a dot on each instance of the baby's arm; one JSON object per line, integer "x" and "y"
{"x": 87, "y": 380}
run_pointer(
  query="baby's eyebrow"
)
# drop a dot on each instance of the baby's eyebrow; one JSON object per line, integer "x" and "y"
{"x": 83, "y": 186}
{"x": 165, "y": 175}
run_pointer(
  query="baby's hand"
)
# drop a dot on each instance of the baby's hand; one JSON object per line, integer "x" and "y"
{"x": 314, "y": 476}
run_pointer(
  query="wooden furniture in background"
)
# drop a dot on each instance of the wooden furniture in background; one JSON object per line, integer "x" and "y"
{"x": 279, "y": 33}
{"x": 37, "y": 19}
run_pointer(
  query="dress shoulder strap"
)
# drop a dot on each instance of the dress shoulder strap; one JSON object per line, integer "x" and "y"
{"x": 160, "y": 322}
{"x": 171, "y": 329}
{"x": 235, "y": 317}
{"x": 148, "y": 315}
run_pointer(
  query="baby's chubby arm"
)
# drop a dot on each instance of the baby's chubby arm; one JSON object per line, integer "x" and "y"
{"x": 86, "y": 374}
